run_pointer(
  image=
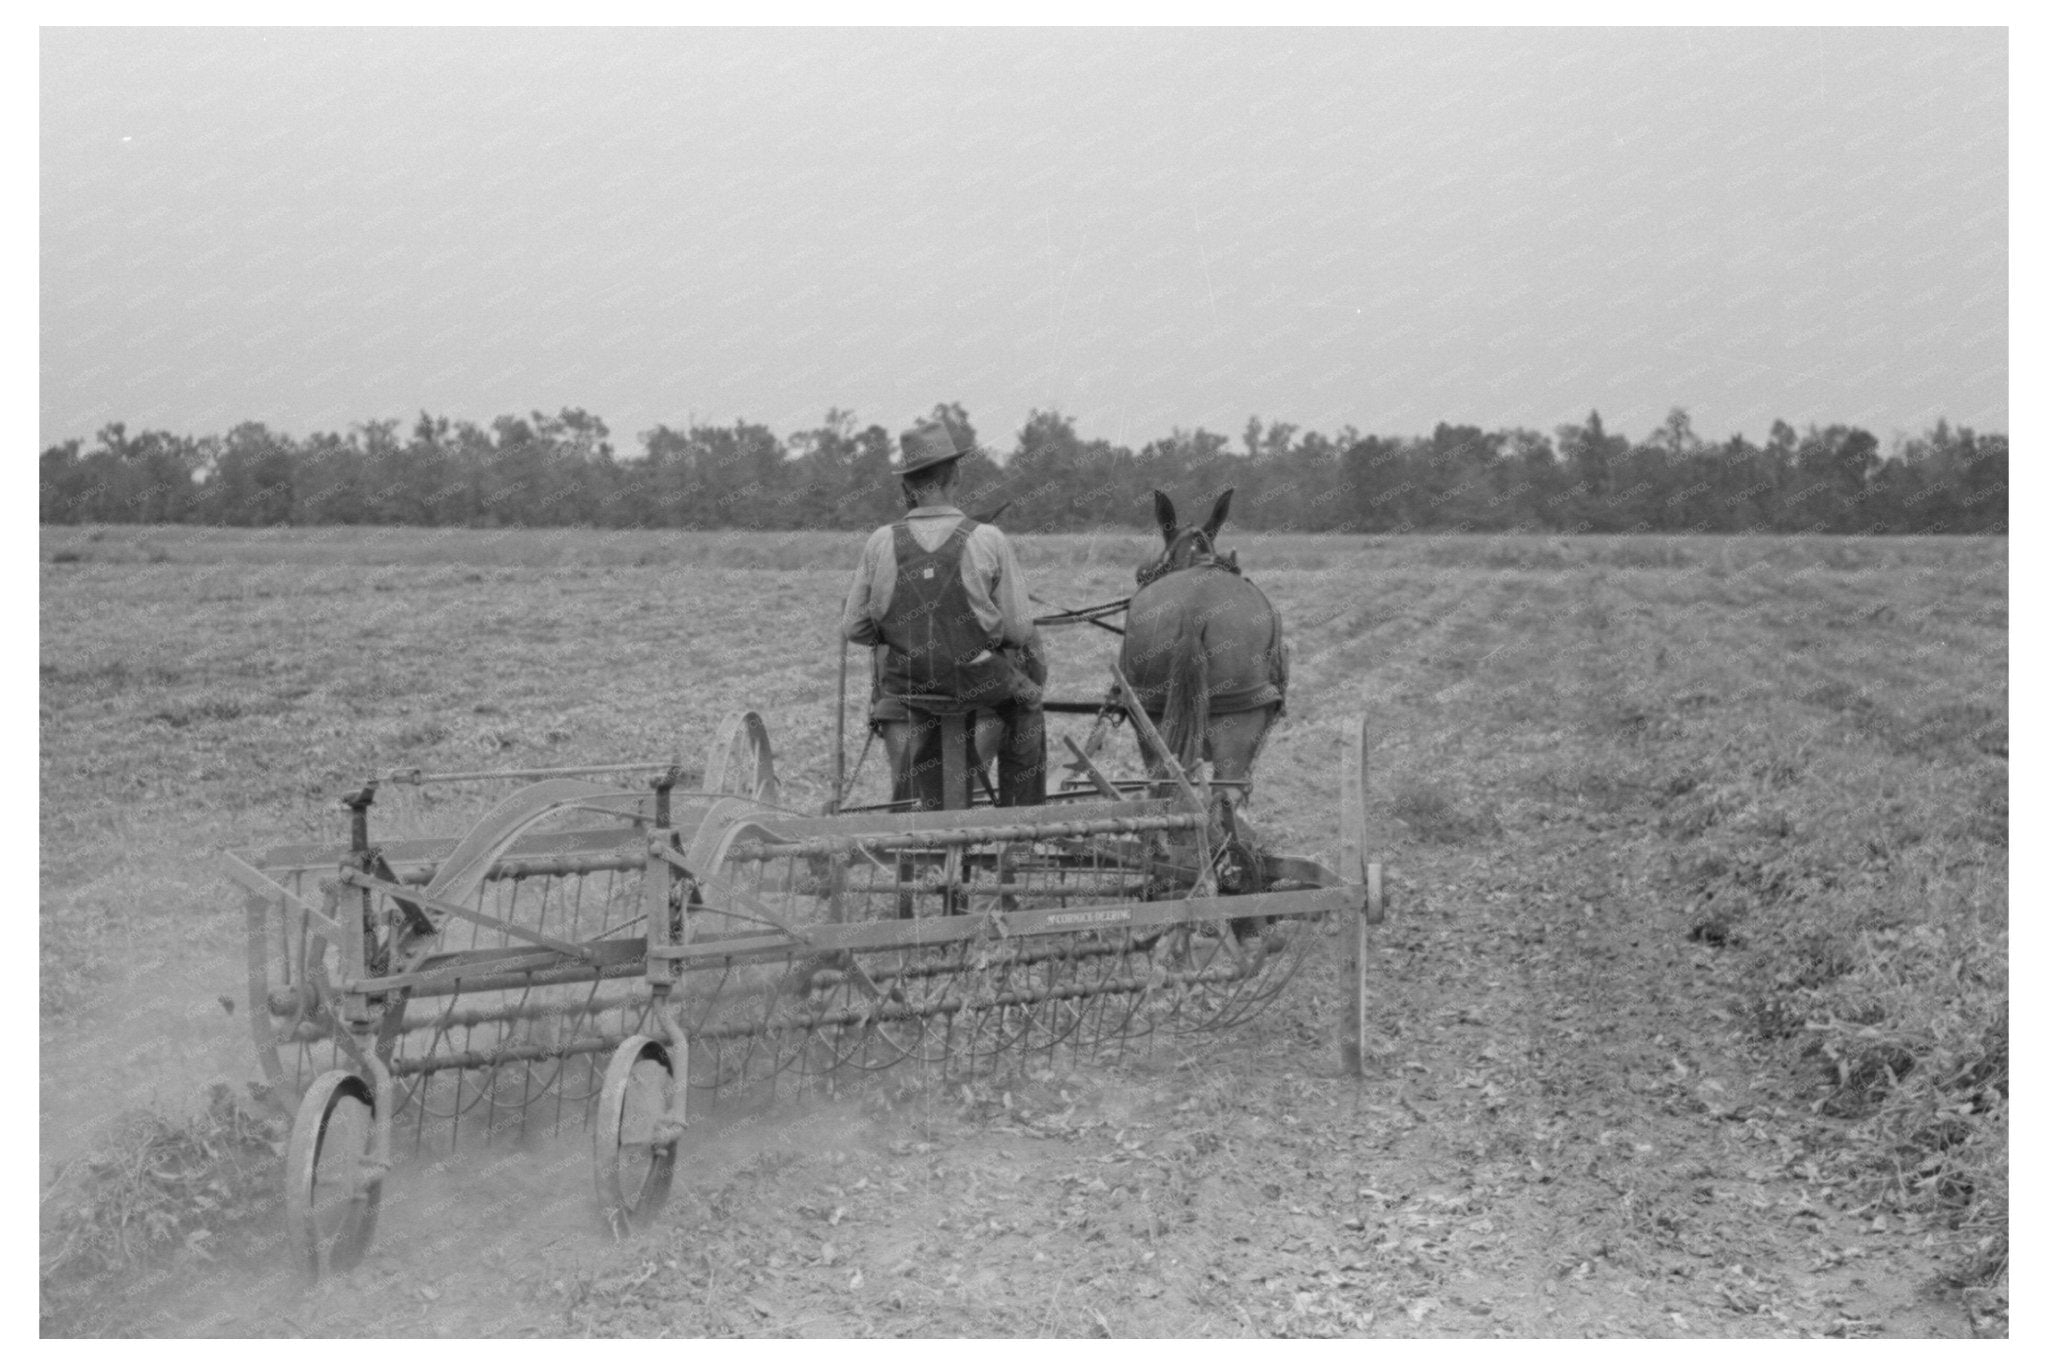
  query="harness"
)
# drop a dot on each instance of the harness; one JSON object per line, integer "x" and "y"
{"x": 1205, "y": 558}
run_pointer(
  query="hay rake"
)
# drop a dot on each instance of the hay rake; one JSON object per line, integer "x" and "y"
{"x": 617, "y": 947}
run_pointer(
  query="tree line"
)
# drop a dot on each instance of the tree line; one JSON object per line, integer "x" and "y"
{"x": 564, "y": 471}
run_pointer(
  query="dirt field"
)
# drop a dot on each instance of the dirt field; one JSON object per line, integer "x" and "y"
{"x": 1689, "y": 1016}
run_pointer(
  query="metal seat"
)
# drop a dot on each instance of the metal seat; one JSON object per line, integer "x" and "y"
{"x": 960, "y": 764}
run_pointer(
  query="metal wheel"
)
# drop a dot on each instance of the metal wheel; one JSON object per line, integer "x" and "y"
{"x": 635, "y": 1157}
{"x": 331, "y": 1182}
{"x": 741, "y": 761}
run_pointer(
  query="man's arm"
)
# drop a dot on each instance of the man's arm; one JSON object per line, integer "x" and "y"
{"x": 856, "y": 621}
{"x": 1011, "y": 598}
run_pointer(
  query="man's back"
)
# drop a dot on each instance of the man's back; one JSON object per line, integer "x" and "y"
{"x": 988, "y": 572}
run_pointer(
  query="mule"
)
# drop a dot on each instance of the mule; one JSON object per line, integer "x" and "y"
{"x": 1204, "y": 654}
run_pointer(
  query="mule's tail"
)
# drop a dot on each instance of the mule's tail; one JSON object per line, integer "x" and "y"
{"x": 1184, "y": 722}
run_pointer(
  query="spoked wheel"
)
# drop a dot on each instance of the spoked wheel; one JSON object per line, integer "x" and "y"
{"x": 635, "y": 1158}
{"x": 331, "y": 1184}
{"x": 741, "y": 761}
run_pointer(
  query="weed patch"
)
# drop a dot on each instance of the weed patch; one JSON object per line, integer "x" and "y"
{"x": 1631, "y": 552}
{"x": 112, "y": 676}
{"x": 164, "y": 1184}
{"x": 1690, "y": 807}
{"x": 1591, "y": 785}
{"x": 1888, "y": 985}
{"x": 1836, "y": 695}
{"x": 212, "y": 710}
{"x": 424, "y": 735}
{"x": 1970, "y": 725}
{"x": 1718, "y": 917}
{"x": 68, "y": 949}
{"x": 1633, "y": 721}
{"x": 1433, "y": 817}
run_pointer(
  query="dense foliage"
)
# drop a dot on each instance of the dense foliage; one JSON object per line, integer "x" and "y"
{"x": 564, "y": 471}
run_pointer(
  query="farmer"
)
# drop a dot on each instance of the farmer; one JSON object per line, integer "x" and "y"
{"x": 944, "y": 594}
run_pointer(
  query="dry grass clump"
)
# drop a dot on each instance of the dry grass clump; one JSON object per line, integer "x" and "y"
{"x": 69, "y": 950}
{"x": 108, "y": 544}
{"x": 164, "y": 1183}
{"x": 1433, "y": 816}
{"x": 1910, "y": 1033}
{"x": 1526, "y": 554}
{"x": 1641, "y": 552}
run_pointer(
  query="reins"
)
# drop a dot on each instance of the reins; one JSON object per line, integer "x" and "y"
{"x": 1074, "y": 616}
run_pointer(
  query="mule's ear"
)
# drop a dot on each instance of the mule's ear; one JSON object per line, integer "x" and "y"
{"x": 1162, "y": 507}
{"x": 1216, "y": 516}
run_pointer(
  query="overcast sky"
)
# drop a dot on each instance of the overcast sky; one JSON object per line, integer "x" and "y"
{"x": 1145, "y": 229}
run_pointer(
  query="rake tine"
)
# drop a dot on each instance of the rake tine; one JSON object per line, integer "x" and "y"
{"x": 1029, "y": 1013}
{"x": 455, "y": 1122}
{"x": 1053, "y": 1008}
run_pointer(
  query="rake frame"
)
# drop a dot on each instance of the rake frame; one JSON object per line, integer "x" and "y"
{"x": 734, "y": 945}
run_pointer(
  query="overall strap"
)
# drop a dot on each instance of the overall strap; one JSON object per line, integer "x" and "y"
{"x": 908, "y": 549}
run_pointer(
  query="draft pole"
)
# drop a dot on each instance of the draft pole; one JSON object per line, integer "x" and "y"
{"x": 1353, "y": 866}
{"x": 839, "y": 736}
